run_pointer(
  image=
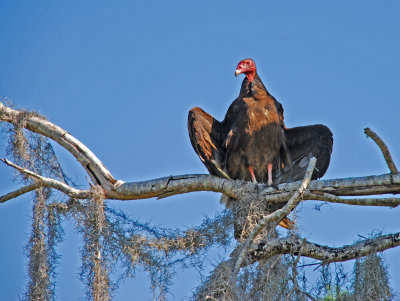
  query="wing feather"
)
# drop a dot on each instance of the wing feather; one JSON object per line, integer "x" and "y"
{"x": 207, "y": 136}
{"x": 303, "y": 143}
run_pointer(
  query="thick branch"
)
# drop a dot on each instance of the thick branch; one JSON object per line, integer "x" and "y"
{"x": 385, "y": 151}
{"x": 265, "y": 250}
{"x": 320, "y": 190}
{"x": 324, "y": 190}
{"x": 179, "y": 184}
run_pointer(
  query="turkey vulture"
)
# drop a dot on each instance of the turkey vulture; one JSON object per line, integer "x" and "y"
{"x": 245, "y": 144}
{"x": 252, "y": 142}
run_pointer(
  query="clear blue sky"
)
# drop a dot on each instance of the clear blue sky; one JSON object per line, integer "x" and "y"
{"x": 122, "y": 75}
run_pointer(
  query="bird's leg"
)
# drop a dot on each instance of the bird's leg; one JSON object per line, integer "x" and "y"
{"x": 269, "y": 181}
{"x": 253, "y": 177}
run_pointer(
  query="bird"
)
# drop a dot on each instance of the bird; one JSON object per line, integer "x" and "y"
{"x": 245, "y": 144}
{"x": 253, "y": 142}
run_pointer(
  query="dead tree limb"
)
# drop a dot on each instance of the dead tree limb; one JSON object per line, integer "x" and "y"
{"x": 385, "y": 151}
{"x": 266, "y": 249}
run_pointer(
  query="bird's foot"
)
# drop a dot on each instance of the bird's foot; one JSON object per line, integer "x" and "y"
{"x": 272, "y": 184}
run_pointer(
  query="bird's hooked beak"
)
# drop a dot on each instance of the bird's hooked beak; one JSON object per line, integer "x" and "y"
{"x": 247, "y": 67}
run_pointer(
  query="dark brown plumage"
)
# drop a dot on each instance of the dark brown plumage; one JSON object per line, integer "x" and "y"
{"x": 255, "y": 135}
{"x": 253, "y": 143}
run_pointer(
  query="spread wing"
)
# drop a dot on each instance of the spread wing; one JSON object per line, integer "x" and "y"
{"x": 303, "y": 143}
{"x": 208, "y": 136}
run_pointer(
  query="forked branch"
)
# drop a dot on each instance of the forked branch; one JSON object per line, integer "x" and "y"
{"x": 33, "y": 122}
{"x": 275, "y": 217}
{"x": 324, "y": 190}
{"x": 43, "y": 182}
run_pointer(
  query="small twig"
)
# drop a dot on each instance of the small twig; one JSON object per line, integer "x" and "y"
{"x": 21, "y": 169}
{"x": 309, "y": 264}
{"x": 294, "y": 277}
{"x": 278, "y": 258}
{"x": 308, "y": 295}
{"x": 20, "y": 191}
{"x": 318, "y": 266}
{"x": 296, "y": 286}
{"x": 47, "y": 182}
{"x": 384, "y": 149}
{"x": 278, "y": 215}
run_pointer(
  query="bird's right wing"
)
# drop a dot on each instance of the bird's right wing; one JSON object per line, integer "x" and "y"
{"x": 207, "y": 136}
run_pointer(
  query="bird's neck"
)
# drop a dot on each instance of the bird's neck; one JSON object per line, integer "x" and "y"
{"x": 252, "y": 88}
{"x": 251, "y": 75}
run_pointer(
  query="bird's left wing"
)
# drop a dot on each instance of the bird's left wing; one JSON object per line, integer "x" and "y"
{"x": 303, "y": 143}
{"x": 207, "y": 136}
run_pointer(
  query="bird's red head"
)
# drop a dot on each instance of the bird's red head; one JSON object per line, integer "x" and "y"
{"x": 248, "y": 67}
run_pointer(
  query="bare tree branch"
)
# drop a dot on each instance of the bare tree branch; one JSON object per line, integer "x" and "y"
{"x": 369, "y": 185}
{"x": 16, "y": 193}
{"x": 47, "y": 182}
{"x": 267, "y": 249}
{"x": 324, "y": 190}
{"x": 385, "y": 151}
{"x": 386, "y": 202}
{"x": 179, "y": 184}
